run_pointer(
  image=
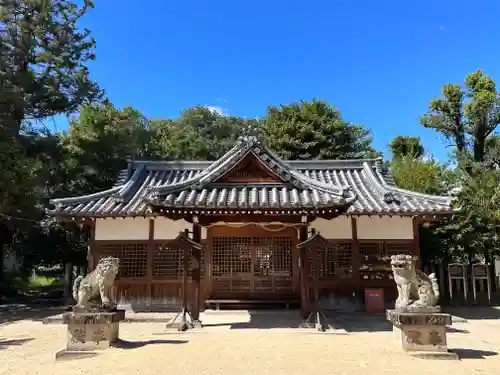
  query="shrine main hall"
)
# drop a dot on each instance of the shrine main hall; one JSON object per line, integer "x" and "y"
{"x": 254, "y": 227}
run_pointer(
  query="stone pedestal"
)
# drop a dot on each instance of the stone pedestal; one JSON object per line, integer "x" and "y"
{"x": 88, "y": 331}
{"x": 422, "y": 334}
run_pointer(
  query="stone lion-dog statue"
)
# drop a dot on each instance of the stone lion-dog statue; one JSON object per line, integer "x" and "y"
{"x": 416, "y": 290}
{"x": 92, "y": 292}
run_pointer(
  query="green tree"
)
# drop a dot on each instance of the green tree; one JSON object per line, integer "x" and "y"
{"x": 43, "y": 72}
{"x": 424, "y": 176}
{"x": 198, "y": 134}
{"x": 314, "y": 130}
{"x": 99, "y": 142}
{"x": 43, "y": 60}
{"x": 469, "y": 117}
{"x": 472, "y": 233}
{"x": 405, "y": 145}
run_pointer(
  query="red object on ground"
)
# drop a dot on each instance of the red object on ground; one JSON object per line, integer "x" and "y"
{"x": 374, "y": 301}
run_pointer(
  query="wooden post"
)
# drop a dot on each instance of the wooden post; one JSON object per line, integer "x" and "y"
{"x": 188, "y": 247}
{"x": 314, "y": 253}
{"x": 311, "y": 246}
{"x": 185, "y": 278}
{"x": 416, "y": 241}
{"x": 91, "y": 248}
{"x": 196, "y": 272}
{"x": 149, "y": 275}
{"x": 304, "y": 302}
{"x": 355, "y": 251}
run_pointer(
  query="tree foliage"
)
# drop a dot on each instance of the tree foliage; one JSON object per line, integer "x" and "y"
{"x": 198, "y": 134}
{"x": 402, "y": 146}
{"x": 424, "y": 176}
{"x": 43, "y": 60}
{"x": 43, "y": 72}
{"x": 469, "y": 117}
{"x": 314, "y": 130}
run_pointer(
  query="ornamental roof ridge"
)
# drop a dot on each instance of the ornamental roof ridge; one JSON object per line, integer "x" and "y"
{"x": 251, "y": 144}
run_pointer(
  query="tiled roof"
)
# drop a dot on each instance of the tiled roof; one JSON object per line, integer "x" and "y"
{"x": 192, "y": 186}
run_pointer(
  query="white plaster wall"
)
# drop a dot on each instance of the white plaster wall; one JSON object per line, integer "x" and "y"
{"x": 122, "y": 229}
{"x": 167, "y": 229}
{"x": 338, "y": 228}
{"x": 385, "y": 228}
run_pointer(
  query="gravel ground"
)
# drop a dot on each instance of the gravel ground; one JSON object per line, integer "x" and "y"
{"x": 29, "y": 347}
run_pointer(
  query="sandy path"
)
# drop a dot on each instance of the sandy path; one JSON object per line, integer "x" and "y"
{"x": 221, "y": 350}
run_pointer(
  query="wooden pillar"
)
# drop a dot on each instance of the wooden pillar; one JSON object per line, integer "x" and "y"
{"x": 356, "y": 260}
{"x": 196, "y": 275}
{"x": 185, "y": 278}
{"x": 149, "y": 275}
{"x": 91, "y": 248}
{"x": 315, "y": 266}
{"x": 416, "y": 241}
{"x": 304, "y": 300}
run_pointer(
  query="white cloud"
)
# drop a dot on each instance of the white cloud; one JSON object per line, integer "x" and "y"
{"x": 219, "y": 110}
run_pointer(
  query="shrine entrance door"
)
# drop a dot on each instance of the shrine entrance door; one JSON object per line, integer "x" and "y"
{"x": 253, "y": 262}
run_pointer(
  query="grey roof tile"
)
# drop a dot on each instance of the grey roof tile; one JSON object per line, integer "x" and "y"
{"x": 307, "y": 185}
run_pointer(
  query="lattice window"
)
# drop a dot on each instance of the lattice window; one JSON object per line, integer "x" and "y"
{"x": 168, "y": 262}
{"x": 374, "y": 262}
{"x": 133, "y": 258}
{"x": 260, "y": 256}
{"x": 231, "y": 256}
{"x": 398, "y": 248}
{"x": 273, "y": 256}
{"x": 334, "y": 261}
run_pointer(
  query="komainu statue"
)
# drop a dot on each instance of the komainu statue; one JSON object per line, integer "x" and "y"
{"x": 416, "y": 290}
{"x": 92, "y": 291}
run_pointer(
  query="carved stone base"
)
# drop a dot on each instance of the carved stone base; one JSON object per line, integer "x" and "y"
{"x": 422, "y": 334}
{"x": 92, "y": 331}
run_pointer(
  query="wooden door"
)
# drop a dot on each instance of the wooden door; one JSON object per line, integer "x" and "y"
{"x": 253, "y": 263}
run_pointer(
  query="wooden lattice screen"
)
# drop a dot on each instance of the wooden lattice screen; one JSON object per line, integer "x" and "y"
{"x": 133, "y": 258}
{"x": 374, "y": 263}
{"x": 260, "y": 256}
{"x": 334, "y": 261}
{"x": 252, "y": 264}
{"x": 231, "y": 256}
{"x": 273, "y": 256}
{"x": 168, "y": 262}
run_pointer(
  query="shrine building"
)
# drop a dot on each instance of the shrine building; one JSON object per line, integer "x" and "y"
{"x": 253, "y": 223}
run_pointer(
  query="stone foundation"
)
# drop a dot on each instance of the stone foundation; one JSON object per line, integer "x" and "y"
{"x": 92, "y": 331}
{"x": 422, "y": 334}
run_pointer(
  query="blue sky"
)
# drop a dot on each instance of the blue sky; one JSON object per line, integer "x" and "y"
{"x": 379, "y": 62}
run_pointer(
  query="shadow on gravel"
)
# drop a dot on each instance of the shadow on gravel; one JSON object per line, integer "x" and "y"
{"x": 13, "y": 342}
{"x": 350, "y": 322}
{"x": 456, "y": 330}
{"x": 124, "y": 344}
{"x": 360, "y": 322}
{"x": 474, "y": 354}
{"x": 10, "y": 313}
{"x": 474, "y": 312}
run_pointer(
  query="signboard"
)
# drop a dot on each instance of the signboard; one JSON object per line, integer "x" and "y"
{"x": 480, "y": 272}
{"x": 457, "y": 271}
